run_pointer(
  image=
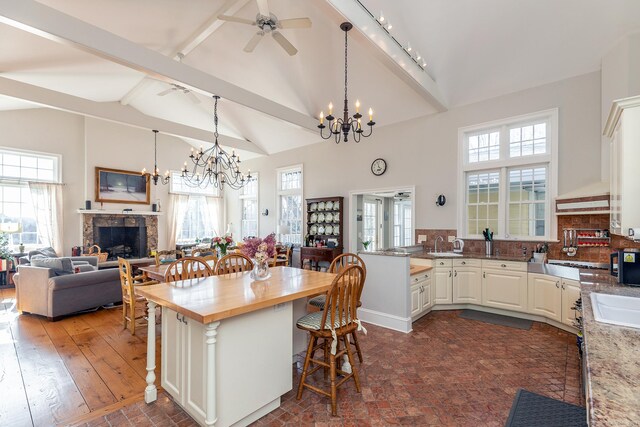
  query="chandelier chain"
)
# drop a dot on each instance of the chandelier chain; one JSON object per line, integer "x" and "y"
{"x": 345, "y": 67}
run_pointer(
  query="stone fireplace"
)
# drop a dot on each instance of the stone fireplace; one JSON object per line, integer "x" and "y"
{"x": 121, "y": 235}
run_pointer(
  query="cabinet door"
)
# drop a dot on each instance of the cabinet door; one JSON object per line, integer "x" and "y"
{"x": 545, "y": 296}
{"x": 444, "y": 285}
{"x": 172, "y": 354}
{"x": 427, "y": 301}
{"x": 570, "y": 293}
{"x": 416, "y": 304}
{"x": 467, "y": 285}
{"x": 504, "y": 289}
{"x": 195, "y": 368}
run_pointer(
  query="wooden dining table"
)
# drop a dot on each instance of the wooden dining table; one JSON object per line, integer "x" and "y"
{"x": 157, "y": 272}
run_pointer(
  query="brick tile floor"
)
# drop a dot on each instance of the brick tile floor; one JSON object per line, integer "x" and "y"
{"x": 449, "y": 371}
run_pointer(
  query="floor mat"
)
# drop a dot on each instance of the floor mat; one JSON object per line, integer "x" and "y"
{"x": 533, "y": 410}
{"x": 496, "y": 319}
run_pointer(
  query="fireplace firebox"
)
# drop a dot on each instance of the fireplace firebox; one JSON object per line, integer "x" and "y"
{"x": 124, "y": 242}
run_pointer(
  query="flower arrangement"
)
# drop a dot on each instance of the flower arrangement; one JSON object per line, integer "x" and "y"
{"x": 221, "y": 243}
{"x": 260, "y": 249}
{"x": 365, "y": 244}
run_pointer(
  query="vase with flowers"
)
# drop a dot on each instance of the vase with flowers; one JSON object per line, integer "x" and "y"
{"x": 221, "y": 243}
{"x": 260, "y": 251}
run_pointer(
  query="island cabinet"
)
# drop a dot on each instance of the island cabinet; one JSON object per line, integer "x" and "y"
{"x": 504, "y": 285}
{"x": 467, "y": 281}
{"x": 570, "y": 294}
{"x": 553, "y": 297}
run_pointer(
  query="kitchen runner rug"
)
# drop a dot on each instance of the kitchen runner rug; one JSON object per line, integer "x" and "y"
{"x": 533, "y": 410}
{"x": 496, "y": 319}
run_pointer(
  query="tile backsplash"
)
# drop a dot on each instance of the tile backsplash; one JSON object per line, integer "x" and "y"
{"x": 518, "y": 248}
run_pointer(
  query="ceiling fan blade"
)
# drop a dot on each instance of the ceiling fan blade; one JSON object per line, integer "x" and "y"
{"x": 295, "y": 23}
{"x": 284, "y": 43}
{"x": 254, "y": 42}
{"x": 192, "y": 97}
{"x": 165, "y": 92}
{"x": 236, "y": 19}
{"x": 263, "y": 8}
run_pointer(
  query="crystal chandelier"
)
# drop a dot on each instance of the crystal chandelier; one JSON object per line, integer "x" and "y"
{"x": 346, "y": 124}
{"x": 155, "y": 175}
{"x": 214, "y": 166}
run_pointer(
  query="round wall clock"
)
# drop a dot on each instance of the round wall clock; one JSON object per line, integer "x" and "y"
{"x": 378, "y": 167}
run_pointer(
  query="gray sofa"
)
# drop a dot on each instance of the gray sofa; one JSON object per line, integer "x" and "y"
{"x": 40, "y": 291}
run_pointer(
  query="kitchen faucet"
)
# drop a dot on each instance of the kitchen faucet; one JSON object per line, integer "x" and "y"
{"x": 435, "y": 245}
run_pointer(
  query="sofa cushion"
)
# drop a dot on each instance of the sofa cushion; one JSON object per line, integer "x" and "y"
{"x": 47, "y": 252}
{"x": 83, "y": 268}
{"x": 60, "y": 266}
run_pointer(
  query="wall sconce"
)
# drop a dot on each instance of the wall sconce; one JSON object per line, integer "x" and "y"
{"x": 266, "y": 212}
{"x": 441, "y": 200}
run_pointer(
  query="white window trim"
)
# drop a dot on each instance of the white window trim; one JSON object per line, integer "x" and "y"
{"x": 242, "y": 197}
{"x": 550, "y": 158}
{"x": 174, "y": 173}
{"x": 58, "y": 157}
{"x": 280, "y": 192}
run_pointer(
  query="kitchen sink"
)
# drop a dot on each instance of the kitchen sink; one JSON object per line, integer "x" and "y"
{"x": 616, "y": 309}
{"x": 444, "y": 254}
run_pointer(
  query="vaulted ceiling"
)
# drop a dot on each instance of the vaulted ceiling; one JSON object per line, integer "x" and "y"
{"x": 102, "y": 58}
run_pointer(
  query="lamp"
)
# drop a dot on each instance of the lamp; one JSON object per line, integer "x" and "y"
{"x": 214, "y": 166}
{"x": 155, "y": 176}
{"x": 345, "y": 124}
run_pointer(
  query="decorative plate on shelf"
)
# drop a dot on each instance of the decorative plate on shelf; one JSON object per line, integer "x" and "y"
{"x": 321, "y": 206}
{"x": 313, "y": 207}
{"x": 336, "y": 205}
{"x": 328, "y": 217}
{"x": 320, "y": 217}
{"x": 313, "y": 217}
{"x": 328, "y": 206}
{"x": 328, "y": 229}
{"x": 336, "y": 217}
{"x": 336, "y": 231}
{"x": 313, "y": 229}
{"x": 321, "y": 229}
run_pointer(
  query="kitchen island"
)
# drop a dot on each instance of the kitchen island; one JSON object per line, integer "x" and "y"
{"x": 228, "y": 341}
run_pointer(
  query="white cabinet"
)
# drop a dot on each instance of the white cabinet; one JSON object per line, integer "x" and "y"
{"x": 504, "y": 287}
{"x": 545, "y": 296}
{"x": 623, "y": 128}
{"x": 443, "y": 278}
{"x": 570, "y": 293}
{"x": 421, "y": 297}
{"x": 467, "y": 285}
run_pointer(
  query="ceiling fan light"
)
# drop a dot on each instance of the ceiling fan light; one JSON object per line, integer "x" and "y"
{"x": 381, "y": 17}
{"x": 389, "y": 26}
{"x": 408, "y": 48}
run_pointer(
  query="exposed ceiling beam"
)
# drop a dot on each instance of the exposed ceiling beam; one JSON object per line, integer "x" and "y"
{"x": 115, "y": 112}
{"x": 389, "y": 53}
{"x": 44, "y": 21}
{"x": 230, "y": 7}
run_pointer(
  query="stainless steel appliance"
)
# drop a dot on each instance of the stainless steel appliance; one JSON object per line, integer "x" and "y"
{"x": 627, "y": 264}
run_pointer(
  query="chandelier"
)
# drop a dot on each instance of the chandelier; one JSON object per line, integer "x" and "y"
{"x": 214, "y": 166}
{"x": 155, "y": 176}
{"x": 346, "y": 124}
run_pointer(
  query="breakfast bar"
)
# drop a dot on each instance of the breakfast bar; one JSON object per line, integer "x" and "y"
{"x": 228, "y": 341}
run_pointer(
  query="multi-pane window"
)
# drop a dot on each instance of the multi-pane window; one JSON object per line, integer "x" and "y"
{"x": 17, "y": 216}
{"x": 370, "y": 223}
{"x": 198, "y": 218}
{"x": 402, "y": 235}
{"x": 179, "y": 185}
{"x": 249, "y": 207}
{"x": 290, "y": 184}
{"x": 509, "y": 174}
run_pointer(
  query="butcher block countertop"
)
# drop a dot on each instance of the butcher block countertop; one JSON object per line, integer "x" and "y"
{"x": 216, "y": 298}
{"x": 417, "y": 269}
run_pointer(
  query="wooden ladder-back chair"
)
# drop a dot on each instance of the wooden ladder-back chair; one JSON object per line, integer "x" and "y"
{"x": 187, "y": 268}
{"x": 333, "y": 325}
{"x": 338, "y": 264}
{"x": 133, "y": 305}
{"x": 281, "y": 257}
{"x": 168, "y": 256}
{"x": 233, "y": 263}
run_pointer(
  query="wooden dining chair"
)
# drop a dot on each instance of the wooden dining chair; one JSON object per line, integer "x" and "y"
{"x": 133, "y": 305}
{"x": 281, "y": 257}
{"x": 338, "y": 264}
{"x": 333, "y": 325}
{"x": 233, "y": 263}
{"x": 164, "y": 256}
{"x": 187, "y": 268}
{"x": 208, "y": 256}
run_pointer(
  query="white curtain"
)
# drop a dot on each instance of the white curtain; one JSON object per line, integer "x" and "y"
{"x": 178, "y": 204}
{"x": 214, "y": 208}
{"x": 47, "y": 205}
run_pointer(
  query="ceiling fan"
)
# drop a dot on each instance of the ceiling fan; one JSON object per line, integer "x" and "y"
{"x": 177, "y": 88}
{"x": 267, "y": 22}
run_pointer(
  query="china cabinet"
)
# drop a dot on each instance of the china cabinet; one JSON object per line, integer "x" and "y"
{"x": 323, "y": 241}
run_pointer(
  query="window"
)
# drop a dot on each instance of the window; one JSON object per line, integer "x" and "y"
{"x": 402, "y": 235}
{"x": 370, "y": 223}
{"x": 289, "y": 185}
{"x": 199, "y": 213}
{"x": 508, "y": 177}
{"x": 249, "y": 207}
{"x": 17, "y": 216}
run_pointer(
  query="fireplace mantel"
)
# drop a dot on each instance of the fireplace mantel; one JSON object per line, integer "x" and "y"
{"x": 103, "y": 212}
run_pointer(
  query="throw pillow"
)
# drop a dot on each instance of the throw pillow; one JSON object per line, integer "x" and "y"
{"x": 60, "y": 266}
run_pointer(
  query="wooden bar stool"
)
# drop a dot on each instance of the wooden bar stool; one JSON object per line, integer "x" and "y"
{"x": 133, "y": 305}
{"x": 332, "y": 325}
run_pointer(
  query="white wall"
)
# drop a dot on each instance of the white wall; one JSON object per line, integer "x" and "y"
{"x": 85, "y": 143}
{"x": 423, "y": 152}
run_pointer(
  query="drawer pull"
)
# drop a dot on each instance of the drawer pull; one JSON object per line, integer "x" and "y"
{"x": 463, "y": 263}
{"x": 558, "y": 285}
{"x": 504, "y": 266}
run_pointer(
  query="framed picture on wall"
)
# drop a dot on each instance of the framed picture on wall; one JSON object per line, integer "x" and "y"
{"x": 120, "y": 186}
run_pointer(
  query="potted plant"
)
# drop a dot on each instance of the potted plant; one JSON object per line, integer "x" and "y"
{"x": 540, "y": 252}
{"x": 365, "y": 244}
{"x": 5, "y": 254}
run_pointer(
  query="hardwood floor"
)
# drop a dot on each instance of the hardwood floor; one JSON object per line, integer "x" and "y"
{"x": 56, "y": 371}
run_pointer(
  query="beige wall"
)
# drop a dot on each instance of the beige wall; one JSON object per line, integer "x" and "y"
{"x": 423, "y": 152}
{"x": 85, "y": 143}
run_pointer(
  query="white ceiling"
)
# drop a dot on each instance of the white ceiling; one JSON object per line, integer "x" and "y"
{"x": 475, "y": 50}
